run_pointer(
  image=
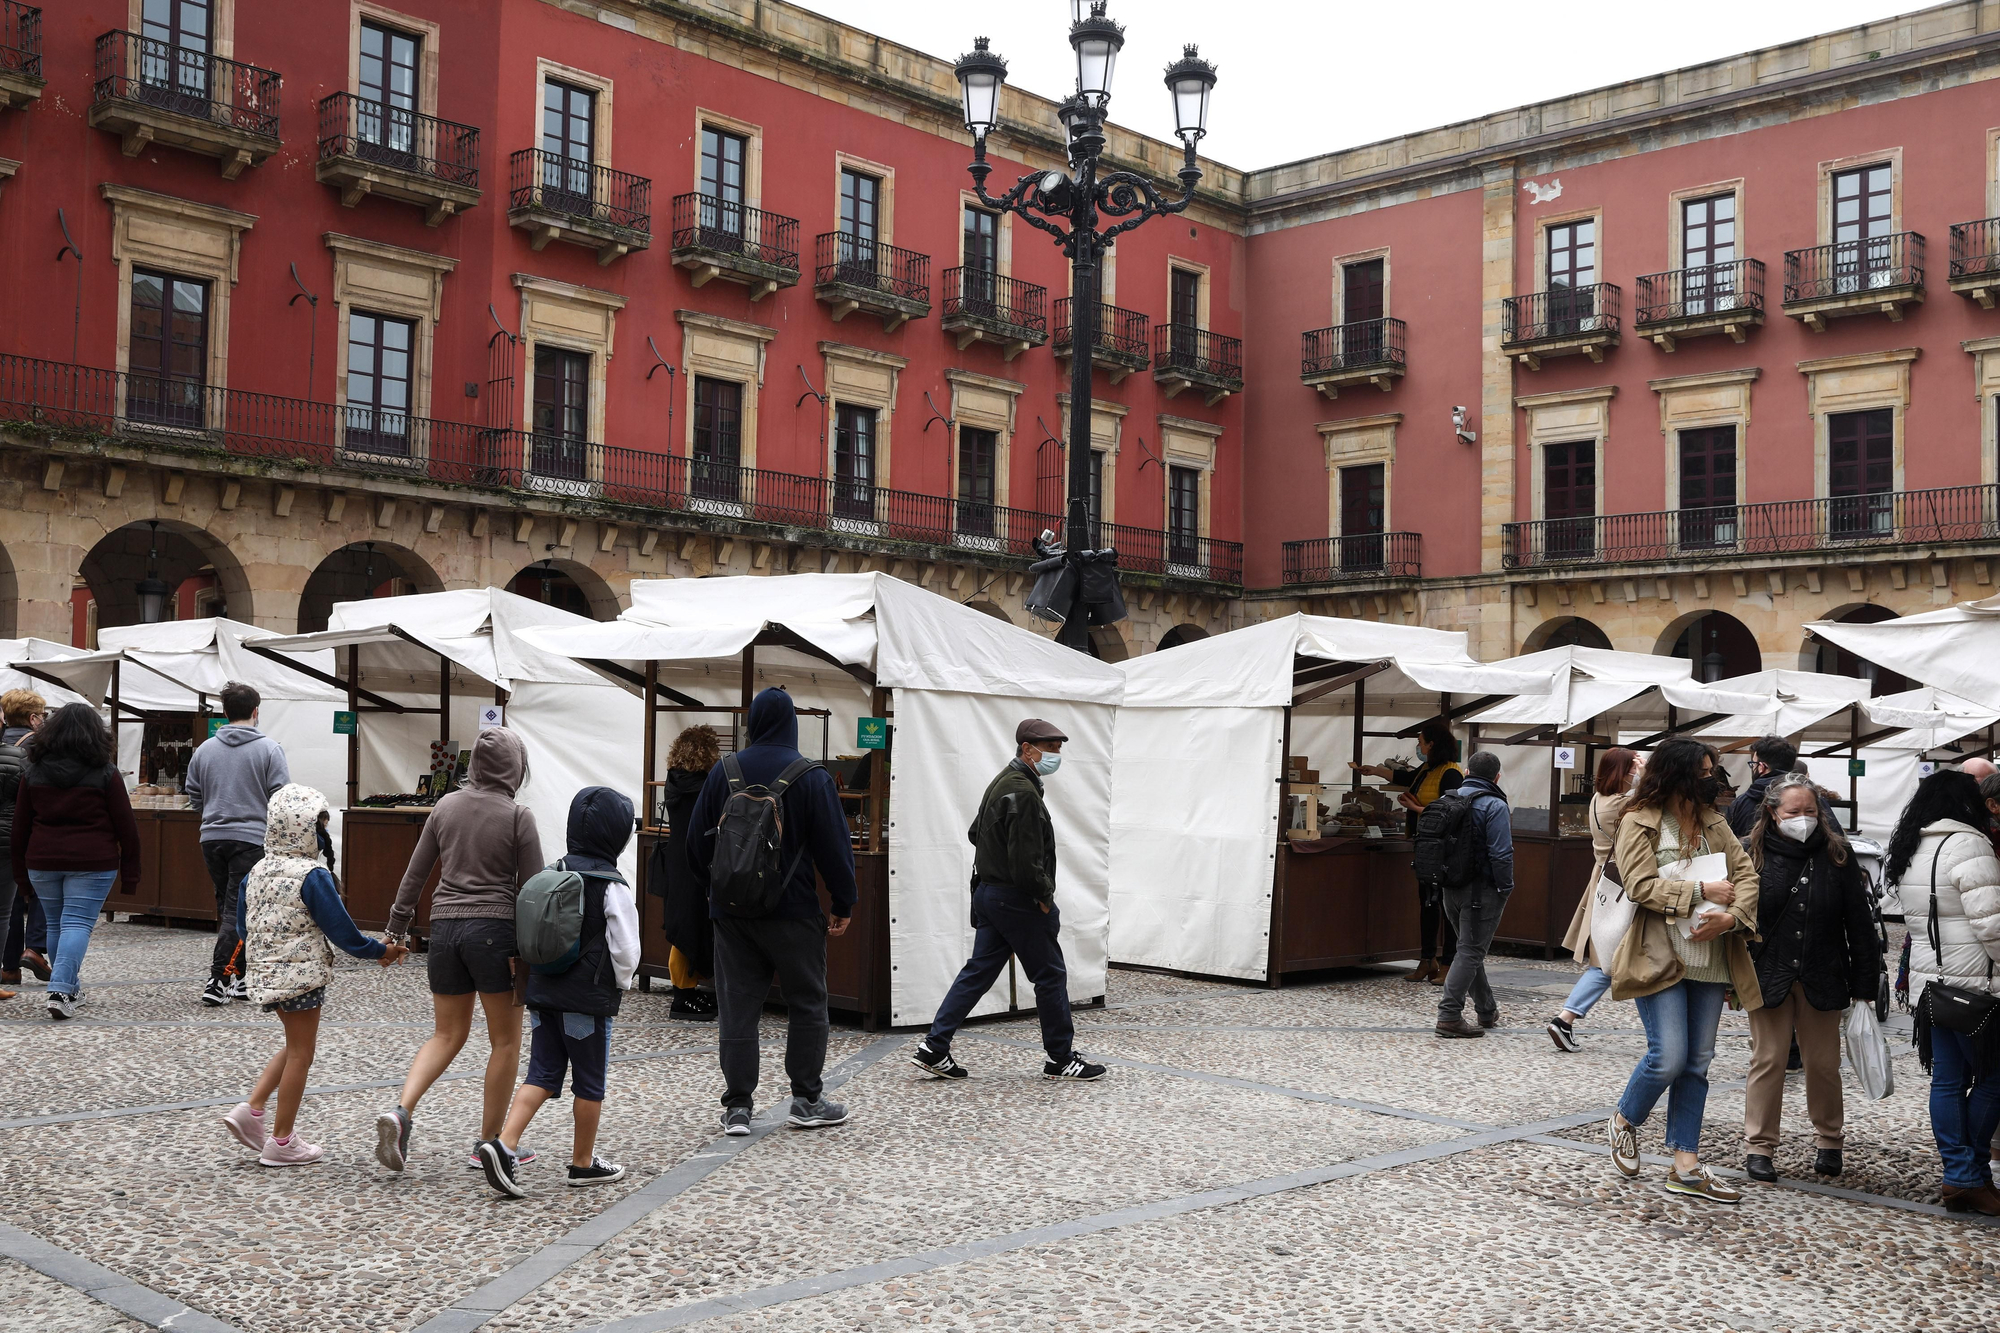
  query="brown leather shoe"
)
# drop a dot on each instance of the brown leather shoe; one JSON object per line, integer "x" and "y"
{"x": 1458, "y": 1027}
{"x": 1979, "y": 1199}
{"x": 12, "y": 978}
{"x": 1425, "y": 970}
{"x": 7, "y": 994}
{"x": 1437, "y": 977}
{"x": 36, "y": 963}
{"x": 1491, "y": 1020}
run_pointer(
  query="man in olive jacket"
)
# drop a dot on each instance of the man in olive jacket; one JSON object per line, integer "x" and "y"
{"x": 1014, "y": 911}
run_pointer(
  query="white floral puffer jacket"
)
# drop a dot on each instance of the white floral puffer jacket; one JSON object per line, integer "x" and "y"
{"x": 1968, "y": 909}
{"x": 287, "y": 953}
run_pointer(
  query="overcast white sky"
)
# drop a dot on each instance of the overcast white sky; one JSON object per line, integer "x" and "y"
{"x": 1304, "y": 77}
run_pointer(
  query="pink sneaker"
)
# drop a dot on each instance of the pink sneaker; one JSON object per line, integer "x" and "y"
{"x": 294, "y": 1151}
{"x": 246, "y": 1127}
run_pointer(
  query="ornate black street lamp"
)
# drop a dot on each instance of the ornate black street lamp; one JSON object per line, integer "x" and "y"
{"x": 152, "y": 590}
{"x": 1076, "y": 582}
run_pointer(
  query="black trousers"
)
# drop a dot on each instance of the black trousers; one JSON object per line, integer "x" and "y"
{"x": 27, "y": 927}
{"x": 1010, "y": 923}
{"x": 749, "y": 952}
{"x": 228, "y": 862}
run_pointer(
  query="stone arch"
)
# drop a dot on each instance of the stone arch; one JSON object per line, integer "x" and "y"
{"x": 991, "y": 609}
{"x": 568, "y": 584}
{"x": 1565, "y": 632}
{"x": 1718, "y": 644}
{"x": 10, "y": 597}
{"x": 1832, "y": 660}
{"x": 113, "y": 567}
{"x": 1179, "y": 635}
{"x": 1107, "y": 644}
{"x": 358, "y": 570}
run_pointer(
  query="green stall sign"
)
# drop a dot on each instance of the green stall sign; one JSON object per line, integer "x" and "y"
{"x": 872, "y": 733}
{"x": 343, "y": 724}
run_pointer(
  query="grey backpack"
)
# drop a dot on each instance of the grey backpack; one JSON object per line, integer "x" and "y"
{"x": 548, "y": 920}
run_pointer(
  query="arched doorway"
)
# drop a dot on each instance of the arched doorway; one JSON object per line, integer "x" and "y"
{"x": 1833, "y": 660}
{"x": 178, "y": 568}
{"x": 361, "y": 570}
{"x": 991, "y": 609}
{"x": 1107, "y": 644}
{"x": 1719, "y": 645}
{"x": 1566, "y": 632}
{"x": 1179, "y": 635}
{"x": 574, "y": 587}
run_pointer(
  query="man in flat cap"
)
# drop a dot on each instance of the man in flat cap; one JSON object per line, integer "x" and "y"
{"x": 1014, "y": 911}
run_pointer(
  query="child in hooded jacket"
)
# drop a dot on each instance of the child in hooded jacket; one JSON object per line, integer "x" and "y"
{"x": 571, "y": 1010}
{"x": 289, "y": 916}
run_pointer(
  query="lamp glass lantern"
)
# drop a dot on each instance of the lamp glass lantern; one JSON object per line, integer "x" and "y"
{"x": 152, "y": 591}
{"x": 1190, "y": 80}
{"x": 980, "y": 75}
{"x": 1097, "y": 41}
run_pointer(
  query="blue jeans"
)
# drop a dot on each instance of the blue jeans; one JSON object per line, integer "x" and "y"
{"x": 72, "y": 899}
{"x": 1007, "y": 922}
{"x": 1680, "y": 1044}
{"x": 1591, "y": 987}
{"x": 1965, "y": 1111}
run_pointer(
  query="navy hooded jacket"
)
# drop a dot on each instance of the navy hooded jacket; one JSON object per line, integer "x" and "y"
{"x": 813, "y": 818}
{"x": 600, "y": 824}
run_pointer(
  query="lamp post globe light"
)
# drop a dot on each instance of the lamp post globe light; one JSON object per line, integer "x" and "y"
{"x": 1076, "y": 583}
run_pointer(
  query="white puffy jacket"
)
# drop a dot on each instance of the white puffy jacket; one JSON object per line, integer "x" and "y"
{"x": 1968, "y": 909}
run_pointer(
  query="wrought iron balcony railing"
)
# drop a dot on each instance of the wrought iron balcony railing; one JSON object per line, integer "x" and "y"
{"x": 1201, "y": 354}
{"x": 1356, "y": 346}
{"x": 979, "y": 293}
{"x": 582, "y": 191}
{"x": 1705, "y": 291}
{"x": 1953, "y": 514}
{"x": 724, "y": 227}
{"x": 1172, "y": 554}
{"x": 20, "y": 39}
{"x": 1854, "y": 268}
{"x": 195, "y": 84}
{"x": 399, "y": 139}
{"x": 1120, "y": 333}
{"x": 1559, "y": 313}
{"x": 844, "y": 260}
{"x": 1366, "y": 555}
{"x": 1975, "y": 248}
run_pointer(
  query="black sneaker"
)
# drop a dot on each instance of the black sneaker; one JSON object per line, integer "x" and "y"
{"x": 62, "y": 1006}
{"x": 1076, "y": 1069}
{"x": 816, "y": 1115}
{"x": 498, "y": 1164}
{"x": 599, "y": 1172}
{"x": 936, "y": 1063}
{"x": 1563, "y": 1035}
{"x": 238, "y": 989}
{"x": 736, "y": 1121}
{"x": 216, "y": 993}
{"x": 692, "y": 1006}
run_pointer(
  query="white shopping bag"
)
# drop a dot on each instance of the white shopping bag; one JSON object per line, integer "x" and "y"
{"x": 1868, "y": 1052}
{"x": 1611, "y": 914}
{"x": 1702, "y": 870}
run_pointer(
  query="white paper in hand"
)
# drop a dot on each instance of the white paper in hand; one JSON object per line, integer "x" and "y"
{"x": 1702, "y": 870}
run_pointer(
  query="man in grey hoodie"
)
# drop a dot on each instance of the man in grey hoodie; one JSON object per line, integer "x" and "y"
{"x": 230, "y": 781}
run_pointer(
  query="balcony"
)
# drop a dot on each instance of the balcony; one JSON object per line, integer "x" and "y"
{"x": 1975, "y": 260}
{"x": 367, "y": 148}
{"x": 982, "y": 306}
{"x": 21, "y": 78}
{"x": 1841, "y": 523}
{"x": 1369, "y": 557}
{"x": 1171, "y": 554}
{"x": 1880, "y": 275}
{"x": 719, "y": 238}
{"x": 149, "y": 92}
{"x": 557, "y": 198}
{"x": 853, "y": 273}
{"x": 1121, "y": 346}
{"x": 1693, "y": 302}
{"x": 1369, "y": 351}
{"x": 1185, "y": 357}
{"x": 1563, "y": 321}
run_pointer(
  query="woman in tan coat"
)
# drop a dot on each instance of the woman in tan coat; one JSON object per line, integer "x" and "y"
{"x": 1679, "y": 980}
{"x": 1617, "y": 768}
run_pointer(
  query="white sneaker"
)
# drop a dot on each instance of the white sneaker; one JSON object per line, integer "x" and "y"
{"x": 1624, "y": 1148}
{"x": 238, "y": 989}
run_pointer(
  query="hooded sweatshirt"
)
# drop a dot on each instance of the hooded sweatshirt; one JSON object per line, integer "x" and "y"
{"x": 811, "y": 805}
{"x": 484, "y": 845}
{"x": 289, "y": 910}
{"x": 230, "y": 782}
{"x": 600, "y": 824}
{"x": 72, "y": 816}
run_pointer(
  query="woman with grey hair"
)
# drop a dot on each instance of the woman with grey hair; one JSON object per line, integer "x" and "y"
{"x": 1817, "y": 952}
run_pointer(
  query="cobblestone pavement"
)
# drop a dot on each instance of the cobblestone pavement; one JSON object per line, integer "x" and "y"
{"x": 1311, "y": 1158}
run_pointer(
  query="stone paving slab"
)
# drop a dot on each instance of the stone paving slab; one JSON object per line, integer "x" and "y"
{"x": 32, "y": 1303}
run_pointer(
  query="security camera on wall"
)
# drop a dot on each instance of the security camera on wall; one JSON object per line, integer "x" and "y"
{"x": 1458, "y": 424}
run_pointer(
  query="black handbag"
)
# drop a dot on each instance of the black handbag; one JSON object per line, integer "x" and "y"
{"x": 1970, "y": 1013}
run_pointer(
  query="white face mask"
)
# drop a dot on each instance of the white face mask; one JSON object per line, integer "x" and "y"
{"x": 1798, "y": 827}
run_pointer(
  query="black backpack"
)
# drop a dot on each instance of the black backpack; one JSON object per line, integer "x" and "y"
{"x": 1451, "y": 846}
{"x": 746, "y": 876}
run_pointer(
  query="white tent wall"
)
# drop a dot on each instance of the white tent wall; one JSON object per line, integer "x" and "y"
{"x": 1884, "y": 790}
{"x": 315, "y": 756}
{"x": 577, "y": 736}
{"x": 949, "y": 747}
{"x": 396, "y": 748}
{"x": 1202, "y": 903}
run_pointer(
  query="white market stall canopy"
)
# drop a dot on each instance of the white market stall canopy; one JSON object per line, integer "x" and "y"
{"x": 30, "y": 665}
{"x": 1959, "y": 718}
{"x": 1594, "y": 682}
{"x": 1955, "y": 649}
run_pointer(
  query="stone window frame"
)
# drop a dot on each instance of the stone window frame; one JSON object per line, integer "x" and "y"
{"x": 1993, "y": 172}
{"x": 1359, "y": 442}
{"x": 425, "y": 30}
{"x": 853, "y": 376}
{"x": 1187, "y": 442}
{"x": 1539, "y": 281}
{"x": 221, "y": 37}
{"x": 1890, "y": 388}
{"x": 420, "y": 300}
{"x": 543, "y": 298}
{"x": 1107, "y": 425}
{"x": 753, "y": 152}
{"x": 1834, "y": 166}
{"x": 143, "y": 234}
{"x": 885, "y": 209}
{"x": 1677, "y": 233}
{"x": 1201, "y": 305}
{"x": 1689, "y": 414}
{"x": 1003, "y": 263}
{"x": 973, "y": 397}
{"x": 1985, "y": 353}
{"x": 601, "y": 123}
{"x": 1550, "y": 423}
{"x": 1339, "y": 274}
{"x": 724, "y": 349}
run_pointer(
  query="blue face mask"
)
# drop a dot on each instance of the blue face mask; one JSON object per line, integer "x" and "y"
{"x": 1048, "y": 764}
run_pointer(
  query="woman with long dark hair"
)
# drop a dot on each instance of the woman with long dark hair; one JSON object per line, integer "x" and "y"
{"x": 73, "y": 836}
{"x": 1949, "y": 880}
{"x": 1678, "y": 979}
{"x": 1616, "y": 770}
{"x": 1440, "y": 772}
{"x": 691, "y": 959}
{"x": 1818, "y": 952}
